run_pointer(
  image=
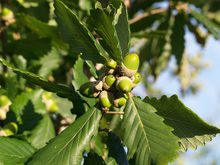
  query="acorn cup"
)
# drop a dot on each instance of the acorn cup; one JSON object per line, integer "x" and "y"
{"x": 124, "y": 84}
{"x": 89, "y": 89}
{"x": 108, "y": 81}
{"x": 129, "y": 65}
{"x": 106, "y": 99}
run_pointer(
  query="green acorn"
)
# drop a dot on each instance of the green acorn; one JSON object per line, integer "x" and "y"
{"x": 108, "y": 81}
{"x": 10, "y": 129}
{"x": 136, "y": 78}
{"x": 105, "y": 99}
{"x": 119, "y": 102}
{"x": 129, "y": 65}
{"x": 88, "y": 90}
{"x": 111, "y": 64}
{"x": 124, "y": 84}
{"x": 4, "y": 101}
{"x": 3, "y": 114}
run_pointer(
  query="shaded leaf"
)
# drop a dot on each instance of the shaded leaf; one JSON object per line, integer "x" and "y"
{"x": 177, "y": 37}
{"x": 116, "y": 149}
{"x": 146, "y": 135}
{"x": 67, "y": 148}
{"x": 42, "y": 29}
{"x": 30, "y": 48}
{"x": 211, "y": 26}
{"x": 14, "y": 151}
{"x": 77, "y": 35}
{"x": 191, "y": 129}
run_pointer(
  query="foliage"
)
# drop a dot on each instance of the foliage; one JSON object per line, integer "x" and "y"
{"x": 50, "y": 49}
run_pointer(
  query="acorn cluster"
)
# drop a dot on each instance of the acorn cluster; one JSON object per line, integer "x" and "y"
{"x": 115, "y": 82}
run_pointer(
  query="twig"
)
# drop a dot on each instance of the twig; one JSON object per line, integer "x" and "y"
{"x": 179, "y": 6}
{"x": 152, "y": 12}
{"x": 113, "y": 113}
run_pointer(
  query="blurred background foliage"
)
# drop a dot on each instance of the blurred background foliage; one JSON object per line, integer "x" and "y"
{"x": 30, "y": 40}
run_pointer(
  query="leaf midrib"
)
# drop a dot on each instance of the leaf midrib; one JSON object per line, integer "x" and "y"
{"x": 140, "y": 121}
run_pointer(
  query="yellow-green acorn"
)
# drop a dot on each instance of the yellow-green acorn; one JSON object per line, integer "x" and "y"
{"x": 4, "y": 101}
{"x": 108, "y": 81}
{"x": 129, "y": 65}
{"x": 105, "y": 99}
{"x": 10, "y": 129}
{"x": 124, "y": 84}
{"x": 88, "y": 90}
{"x": 119, "y": 102}
{"x": 111, "y": 64}
{"x": 136, "y": 78}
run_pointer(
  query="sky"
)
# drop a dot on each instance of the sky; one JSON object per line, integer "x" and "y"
{"x": 205, "y": 103}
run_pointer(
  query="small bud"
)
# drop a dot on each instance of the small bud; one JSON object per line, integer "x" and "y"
{"x": 111, "y": 64}
{"x": 129, "y": 65}
{"x": 119, "y": 102}
{"x": 108, "y": 81}
{"x": 105, "y": 99}
{"x": 10, "y": 129}
{"x": 88, "y": 90}
{"x": 136, "y": 78}
{"x": 124, "y": 84}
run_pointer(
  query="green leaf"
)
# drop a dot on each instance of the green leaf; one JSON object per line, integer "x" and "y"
{"x": 211, "y": 26}
{"x": 123, "y": 29}
{"x": 67, "y": 148}
{"x": 14, "y": 151}
{"x": 146, "y": 135}
{"x": 191, "y": 129}
{"x": 77, "y": 35}
{"x": 49, "y": 63}
{"x": 42, "y": 133}
{"x": 177, "y": 37}
{"x": 59, "y": 89}
{"x": 42, "y": 29}
{"x": 19, "y": 104}
{"x": 80, "y": 78}
{"x": 92, "y": 69}
{"x": 102, "y": 20}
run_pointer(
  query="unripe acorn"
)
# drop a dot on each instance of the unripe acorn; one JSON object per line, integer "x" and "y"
{"x": 108, "y": 81}
{"x": 111, "y": 64}
{"x": 4, "y": 101}
{"x": 88, "y": 90}
{"x": 124, "y": 84}
{"x": 10, "y": 129}
{"x": 136, "y": 78}
{"x": 119, "y": 102}
{"x": 105, "y": 99}
{"x": 129, "y": 65}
